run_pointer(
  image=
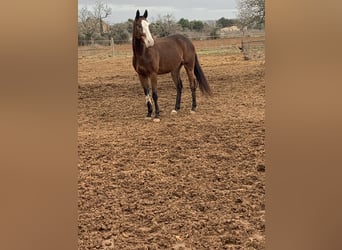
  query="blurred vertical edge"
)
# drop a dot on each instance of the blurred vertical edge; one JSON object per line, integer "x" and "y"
{"x": 38, "y": 124}
{"x": 304, "y": 124}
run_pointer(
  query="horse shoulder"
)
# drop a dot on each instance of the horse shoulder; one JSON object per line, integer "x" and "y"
{"x": 153, "y": 57}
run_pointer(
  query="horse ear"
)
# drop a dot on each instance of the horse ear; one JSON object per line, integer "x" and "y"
{"x": 145, "y": 14}
{"x": 137, "y": 15}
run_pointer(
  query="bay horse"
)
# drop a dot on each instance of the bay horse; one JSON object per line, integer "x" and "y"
{"x": 152, "y": 57}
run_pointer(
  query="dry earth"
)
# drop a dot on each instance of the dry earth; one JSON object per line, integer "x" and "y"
{"x": 188, "y": 182}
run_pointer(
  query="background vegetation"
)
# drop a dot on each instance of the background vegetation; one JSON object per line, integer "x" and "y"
{"x": 92, "y": 24}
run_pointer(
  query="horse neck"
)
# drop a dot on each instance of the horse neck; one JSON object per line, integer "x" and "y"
{"x": 138, "y": 47}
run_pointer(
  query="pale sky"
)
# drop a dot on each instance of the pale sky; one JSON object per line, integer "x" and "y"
{"x": 188, "y": 9}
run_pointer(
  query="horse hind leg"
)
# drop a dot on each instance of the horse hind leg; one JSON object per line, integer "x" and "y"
{"x": 193, "y": 85}
{"x": 179, "y": 86}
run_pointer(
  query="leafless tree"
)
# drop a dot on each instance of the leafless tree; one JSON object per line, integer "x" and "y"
{"x": 252, "y": 12}
{"x": 91, "y": 22}
{"x": 101, "y": 11}
{"x": 87, "y": 23}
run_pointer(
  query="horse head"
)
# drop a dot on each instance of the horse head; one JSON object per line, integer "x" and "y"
{"x": 141, "y": 29}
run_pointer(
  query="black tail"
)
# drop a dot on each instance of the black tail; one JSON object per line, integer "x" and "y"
{"x": 202, "y": 81}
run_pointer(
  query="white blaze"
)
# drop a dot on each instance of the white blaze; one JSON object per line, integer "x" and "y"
{"x": 149, "y": 42}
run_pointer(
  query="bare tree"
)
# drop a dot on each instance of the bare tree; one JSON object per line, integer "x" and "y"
{"x": 164, "y": 26}
{"x": 91, "y": 23}
{"x": 87, "y": 23}
{"x": 252, "y": 13}
{"x": 101, "y": 11}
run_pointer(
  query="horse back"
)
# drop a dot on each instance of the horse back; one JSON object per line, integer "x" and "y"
{"x": 173, "y": 51}
{"x": 175, "y": 43}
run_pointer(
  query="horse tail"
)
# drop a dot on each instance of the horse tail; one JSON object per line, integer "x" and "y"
{"x": 202, "y": 80}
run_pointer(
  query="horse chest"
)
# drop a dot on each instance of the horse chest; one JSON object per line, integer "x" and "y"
{"x": 144, "y": 67}
{"x": 142, "y": 70}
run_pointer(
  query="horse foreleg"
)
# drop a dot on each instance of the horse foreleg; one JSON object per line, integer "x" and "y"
{"x": 155, "y": 95}
{"x": 148, "y": 102}
{"x": 145, "y": 85}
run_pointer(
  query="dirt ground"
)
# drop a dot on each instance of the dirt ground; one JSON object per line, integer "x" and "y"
{"x": 192, "y": 181}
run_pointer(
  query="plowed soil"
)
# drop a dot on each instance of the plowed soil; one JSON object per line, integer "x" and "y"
{"x": 191, "y": 181}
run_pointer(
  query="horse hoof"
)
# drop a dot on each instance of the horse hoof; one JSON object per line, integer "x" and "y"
{"x": 156, "y": 120}
{"x": 174, "y": 112}
{"x": 148, "y": 118}
{"x": 192, "y": 111}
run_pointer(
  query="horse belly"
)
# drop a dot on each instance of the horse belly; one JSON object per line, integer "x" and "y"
{"x": 169, "y": 63}
{"x": 164, "y": 71}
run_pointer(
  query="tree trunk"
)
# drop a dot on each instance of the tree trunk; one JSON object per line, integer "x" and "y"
{"x": 101, "y": 27}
